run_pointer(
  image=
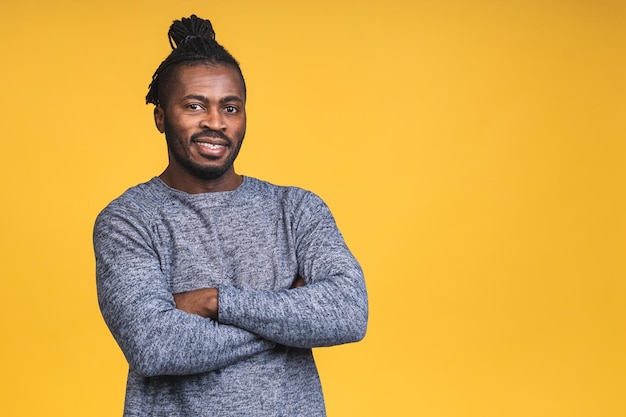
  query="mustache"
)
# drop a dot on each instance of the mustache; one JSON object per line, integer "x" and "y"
{"x": 208, "y": 133}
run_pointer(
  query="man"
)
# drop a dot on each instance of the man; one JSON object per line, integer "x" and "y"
{"x": 216, "y": 286}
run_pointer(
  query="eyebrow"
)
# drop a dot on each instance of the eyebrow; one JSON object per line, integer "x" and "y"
{"x": 204, "y": 99}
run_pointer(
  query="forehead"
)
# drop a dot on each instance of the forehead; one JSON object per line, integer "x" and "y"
{"x": 208, "y": 80}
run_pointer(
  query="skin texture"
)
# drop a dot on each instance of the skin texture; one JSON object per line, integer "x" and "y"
{"x": 204, "y": 105}
{"x": 203, "y": 302}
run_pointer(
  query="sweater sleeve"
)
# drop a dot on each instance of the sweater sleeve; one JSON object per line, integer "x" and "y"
{"x": 139, "y": 309}
{"x": 331, "y": 309}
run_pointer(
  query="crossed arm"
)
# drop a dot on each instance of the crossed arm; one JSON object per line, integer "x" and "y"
{"x": 158, "y": 335}
{"x": 204, "y": 301}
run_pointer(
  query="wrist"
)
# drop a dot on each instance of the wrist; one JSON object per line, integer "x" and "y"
{"x": 213, "y": 303}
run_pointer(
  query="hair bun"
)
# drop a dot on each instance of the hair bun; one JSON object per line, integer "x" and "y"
{"x": 189, "y": 28}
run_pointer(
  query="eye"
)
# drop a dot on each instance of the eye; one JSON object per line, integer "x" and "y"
{"x": 194, "y": 106}
{"x": 231, "y": 109}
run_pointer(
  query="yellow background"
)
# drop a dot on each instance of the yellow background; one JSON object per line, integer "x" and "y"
{"x": 472, "y": 152}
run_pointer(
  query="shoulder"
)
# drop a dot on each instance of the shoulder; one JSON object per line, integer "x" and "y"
{"x": 294, "y": 197}
{"x": 304, "y": 207}
{"x": 135, "y": 204}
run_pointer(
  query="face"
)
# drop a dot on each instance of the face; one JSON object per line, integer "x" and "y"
{"x": 204, "y": 120}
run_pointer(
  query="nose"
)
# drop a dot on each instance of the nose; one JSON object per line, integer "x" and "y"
{"x": 213, "y": 120}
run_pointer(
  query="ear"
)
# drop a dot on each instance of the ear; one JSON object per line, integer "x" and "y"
{"x": 159, "y": 118}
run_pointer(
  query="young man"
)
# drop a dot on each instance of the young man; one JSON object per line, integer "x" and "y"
{"x": 216, "y": 286}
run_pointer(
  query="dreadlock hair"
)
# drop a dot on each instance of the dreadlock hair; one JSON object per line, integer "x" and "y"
{"x": 193, "y": 42}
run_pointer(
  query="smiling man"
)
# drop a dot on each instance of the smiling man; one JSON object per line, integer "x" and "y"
{"x": 203, "y": 117}
{"x": 216, "y": 286}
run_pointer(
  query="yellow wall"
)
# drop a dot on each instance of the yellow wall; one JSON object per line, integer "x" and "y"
{"x": 473, "y": 153}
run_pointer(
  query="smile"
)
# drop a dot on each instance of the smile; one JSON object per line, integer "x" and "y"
{"x": 210, "y": 145}
{"x": 212, "y": 149}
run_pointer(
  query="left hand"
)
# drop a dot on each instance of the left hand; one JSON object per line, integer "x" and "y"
{"x": 298, "y": 282}
{"x": 203, "y": 302}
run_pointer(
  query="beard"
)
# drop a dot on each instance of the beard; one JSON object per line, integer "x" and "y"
{"x": 176, "y": 145}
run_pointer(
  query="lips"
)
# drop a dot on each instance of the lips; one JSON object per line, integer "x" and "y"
{"x": 211, "y": 147}
{"x": 214, "y": 137}
{"x": 212, "y": 143}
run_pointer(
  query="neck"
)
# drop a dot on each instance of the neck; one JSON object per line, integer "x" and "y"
{"x": 195, "y": 185}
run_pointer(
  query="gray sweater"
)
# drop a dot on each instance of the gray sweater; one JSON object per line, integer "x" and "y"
{"x": 250, "y": 243}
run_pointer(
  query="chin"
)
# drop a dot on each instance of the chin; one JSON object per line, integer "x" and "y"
{"x": 210, "y": 172}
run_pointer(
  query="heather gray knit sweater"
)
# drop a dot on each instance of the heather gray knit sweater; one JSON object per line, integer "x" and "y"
{"x": 256, "y": 360}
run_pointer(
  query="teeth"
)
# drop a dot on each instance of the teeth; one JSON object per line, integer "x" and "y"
{"x": 210, "y": 145}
